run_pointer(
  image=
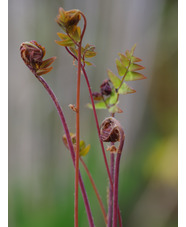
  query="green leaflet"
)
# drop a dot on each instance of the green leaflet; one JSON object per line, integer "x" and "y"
{"x": 90, "y": 54}
{"x": 125, "y": 89}
{"x": 135, "y": 67}
{"x": 135, "y": 59}
{"x": 121, "y": 67}
{"x": 124, "y": 60}
{"x": 115, "y": 109}
{"x": 81, "y": 145}
{"x": 132, "y": 50}
{"x": 113, "y": 97}
{"x": 98, "y": 105}
{"x": 88, "y": 63}
{"x": 68, "y": 42}
{"x": 127, "y": 52}
{"x": 47, "y": 62}
{"x": 84, "y": 151}
{"x": 44, "y": 71}
{"x": 89, "y": 51}
{"x": 76, "y": 34}
{"x": 62, "y": 36}
{"x": 74, "y": 51}
{"x": 134, "y": 76}
{"x": 114, "y": 79}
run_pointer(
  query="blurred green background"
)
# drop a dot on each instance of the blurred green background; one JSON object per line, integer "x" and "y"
{"x": 41, "y": 174}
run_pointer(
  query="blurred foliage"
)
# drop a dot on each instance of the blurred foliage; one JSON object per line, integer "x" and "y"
{"x": 41, "y": 188}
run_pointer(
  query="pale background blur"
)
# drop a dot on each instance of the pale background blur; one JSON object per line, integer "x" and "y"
{"x": 41, "y": 189}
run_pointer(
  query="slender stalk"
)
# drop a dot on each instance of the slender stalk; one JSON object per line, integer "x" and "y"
{"x": 110, "y": 200}
{"x": 61, "y": 115}
{"x": 122, "y": 80}
{"x": 77, "y": 136}
{"x": 85, "y": 25}
{"x": 116, "y": 178}
{"x": 119, "y": 216}
{"x": 78, "y": 125}
{"x": 96, "y": 191}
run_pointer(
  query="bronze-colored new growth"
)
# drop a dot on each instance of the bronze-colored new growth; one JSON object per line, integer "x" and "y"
{"x": 32, "y": 54}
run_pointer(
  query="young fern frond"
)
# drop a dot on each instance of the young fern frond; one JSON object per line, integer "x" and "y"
{"x": 127, "y": 70}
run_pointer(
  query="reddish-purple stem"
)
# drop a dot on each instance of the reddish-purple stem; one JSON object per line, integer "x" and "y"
{"x": 78, "y": 125}
{"x": 95, "y": 115}
{"x": 71, "y": 148}
{"x": 116, "y": 179}
{"x": 110, "y": 201}
{"x": 97, "y": 124}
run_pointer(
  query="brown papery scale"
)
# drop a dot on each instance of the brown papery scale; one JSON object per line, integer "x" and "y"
{"x": 110, "y": 130}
